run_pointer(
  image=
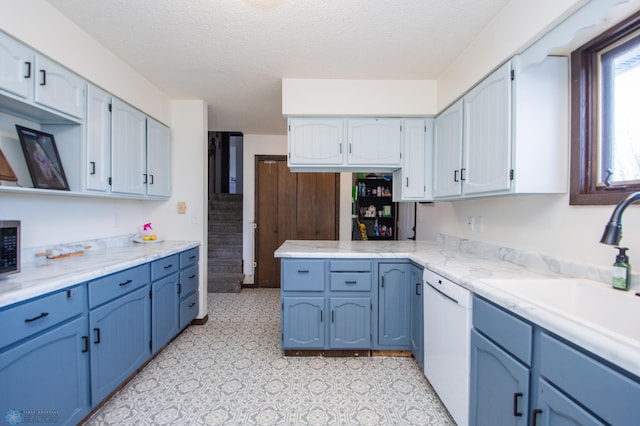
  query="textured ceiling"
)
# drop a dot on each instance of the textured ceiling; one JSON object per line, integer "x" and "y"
{"x": 234, "y": 53}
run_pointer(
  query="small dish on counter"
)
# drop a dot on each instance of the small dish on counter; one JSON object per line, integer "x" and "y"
{"x": 140, "y": 240}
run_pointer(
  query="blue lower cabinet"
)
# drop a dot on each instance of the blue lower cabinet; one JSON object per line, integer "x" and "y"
{"x": 417, "y": 316}
{"x": 499, "y": 385}
{"x": 46, "y": 378}
{"x": 120, "y": 335}
{"x": 188, "y": 288}
{"x": 189, "y": 306}
{"x": 303, "y": 323}
{"x": 554, "y": 408}
{"x": 165, "y": 315}
{"x": 394, "y": 305}
{"x": 350, "y": 322}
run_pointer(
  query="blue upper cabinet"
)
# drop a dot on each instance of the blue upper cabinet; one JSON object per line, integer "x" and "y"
{"x": 394, "y": 305}
{"x": 58, "y": 88}
{"x": 17, "y": 70}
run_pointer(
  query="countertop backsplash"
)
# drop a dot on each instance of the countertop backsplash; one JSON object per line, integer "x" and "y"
{"x": 533, "y": 260}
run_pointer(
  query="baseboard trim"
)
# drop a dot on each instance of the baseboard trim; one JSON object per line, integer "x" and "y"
{"x": 200, "y": 321}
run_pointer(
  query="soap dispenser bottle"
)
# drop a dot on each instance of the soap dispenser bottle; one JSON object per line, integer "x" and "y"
{"x": 621, "y": 270}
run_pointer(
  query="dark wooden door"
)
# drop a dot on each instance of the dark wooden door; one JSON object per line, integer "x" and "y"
{"x": 290, "y": 206}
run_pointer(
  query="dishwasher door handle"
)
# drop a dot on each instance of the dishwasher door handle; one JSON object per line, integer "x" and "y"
{"x": 443, "y": 294}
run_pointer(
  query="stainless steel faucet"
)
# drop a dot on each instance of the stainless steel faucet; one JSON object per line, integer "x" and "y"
{"x": 613, "y": 231}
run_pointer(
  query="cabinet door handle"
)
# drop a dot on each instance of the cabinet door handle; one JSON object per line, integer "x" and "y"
{"x": 96, "y": 331}
{"x": 351, "y": 282}
{"x": 85, "y": 342}
{"x": 455, "y": 176}
{"x": 462, "y": 177}
{"x": 43, "y": 82}
{"x": 192, "y": 276}
{"x": 125, "y": 283}
{"x": 28, "y": 64}
{"x": 42, "y": 315}
{"x": 179, "y": 288}
{"x": 349, "y": 147}
{"x": 382, "y": 281}
{"x": 93, "y": 167}
{"x": 340, "y": 148}
{"x": 144, "y": 179}
{"x": 418, "y": 289}
{"x": 407, "y": 185}
{"x": 192, "y": 257}
{"x": 192, "y": 304}
{"x": 303, "y": 271}
{"x": 332, "y": 316}
{"x": 169, "y": 266}
{"x": 516, "y": 397}
{"x": 151, "y": 182}
{"x": 535, "y": 416}
{"x": 320, "y": 316}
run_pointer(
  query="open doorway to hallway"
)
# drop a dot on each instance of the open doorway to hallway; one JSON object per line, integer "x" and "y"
{"x": 224, "y": 257}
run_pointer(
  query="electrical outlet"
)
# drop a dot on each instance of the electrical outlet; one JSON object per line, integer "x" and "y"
{"x": 478, "y": 224}
{"x": 182, "y": 207}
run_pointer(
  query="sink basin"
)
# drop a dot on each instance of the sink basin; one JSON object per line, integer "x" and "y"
{"x": 586, "y": 301}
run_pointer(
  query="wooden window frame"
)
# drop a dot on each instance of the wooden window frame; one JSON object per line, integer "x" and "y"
{"x": 584, "y": 120}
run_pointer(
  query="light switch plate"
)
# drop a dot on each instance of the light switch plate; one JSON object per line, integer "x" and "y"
{"x": 182, "y": 207}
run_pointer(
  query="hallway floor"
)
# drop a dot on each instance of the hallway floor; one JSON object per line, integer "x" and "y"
{"x": 231, "y": 372}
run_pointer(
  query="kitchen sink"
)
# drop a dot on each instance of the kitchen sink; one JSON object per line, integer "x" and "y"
{"x": 590, "y": 302}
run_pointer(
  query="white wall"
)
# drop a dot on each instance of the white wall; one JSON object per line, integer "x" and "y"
{"x": 544, "y": 224}
{"x": 41, "y": 26}
{"x": 58, "y": 218}
{"x": 540, "y": 223}
{"x": 404, "y": 98}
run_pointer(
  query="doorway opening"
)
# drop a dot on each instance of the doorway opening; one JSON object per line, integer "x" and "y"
{"x": 224, "y": 257}
{"x": 290, "y": 206}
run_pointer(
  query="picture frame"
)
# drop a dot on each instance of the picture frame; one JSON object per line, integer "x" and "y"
{"x": 42, "y": 158}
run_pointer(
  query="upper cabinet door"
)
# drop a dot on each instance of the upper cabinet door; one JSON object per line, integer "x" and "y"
{"x": 316, "y": 141}
{"x": 58, "y": 88}
{"x": 158, "y": 159}
{"x": 128, "y": 149}
{"x": 413, "y": 181}
{"x": 487, "y": 134}
{"x": 374, "y": 141}
{"x": 98, "y": 146}
{"x": 16, "y": 67}
{"x": 447, "y": 152}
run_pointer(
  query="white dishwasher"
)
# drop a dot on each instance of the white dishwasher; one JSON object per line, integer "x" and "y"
{"x": 447, "y": 327}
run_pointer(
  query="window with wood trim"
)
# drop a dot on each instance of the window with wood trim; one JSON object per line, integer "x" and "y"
{"x": 605, "y": 116}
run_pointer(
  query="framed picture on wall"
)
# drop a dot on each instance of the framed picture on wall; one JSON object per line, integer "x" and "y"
{"x": 43, "y": 160}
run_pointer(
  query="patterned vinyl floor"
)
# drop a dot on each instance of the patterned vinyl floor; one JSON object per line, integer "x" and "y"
{"x": 231, "y": 371}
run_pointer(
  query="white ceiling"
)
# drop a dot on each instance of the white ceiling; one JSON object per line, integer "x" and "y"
{"x": 234, "y": 53}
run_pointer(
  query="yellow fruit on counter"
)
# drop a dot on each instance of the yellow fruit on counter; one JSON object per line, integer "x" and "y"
{"x": 153, "y": 237}
{"x": 146, "y": 237}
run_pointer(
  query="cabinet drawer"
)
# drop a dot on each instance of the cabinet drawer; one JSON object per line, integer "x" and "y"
{"x": 606, "y": 392}
{"x": 165, "y": 266}
{"x": 189, "y": 257}
{"x": 188, "y": 280}
{"x": 303, "y": 275}
{"x": 511, "y": 333}
{"x": 31, "y": 317}
{"x": 354, "y": 281}
{"x": 350, "y": 266}
{"x": 188, "y": 309}
{"x": 115, "y": 285}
